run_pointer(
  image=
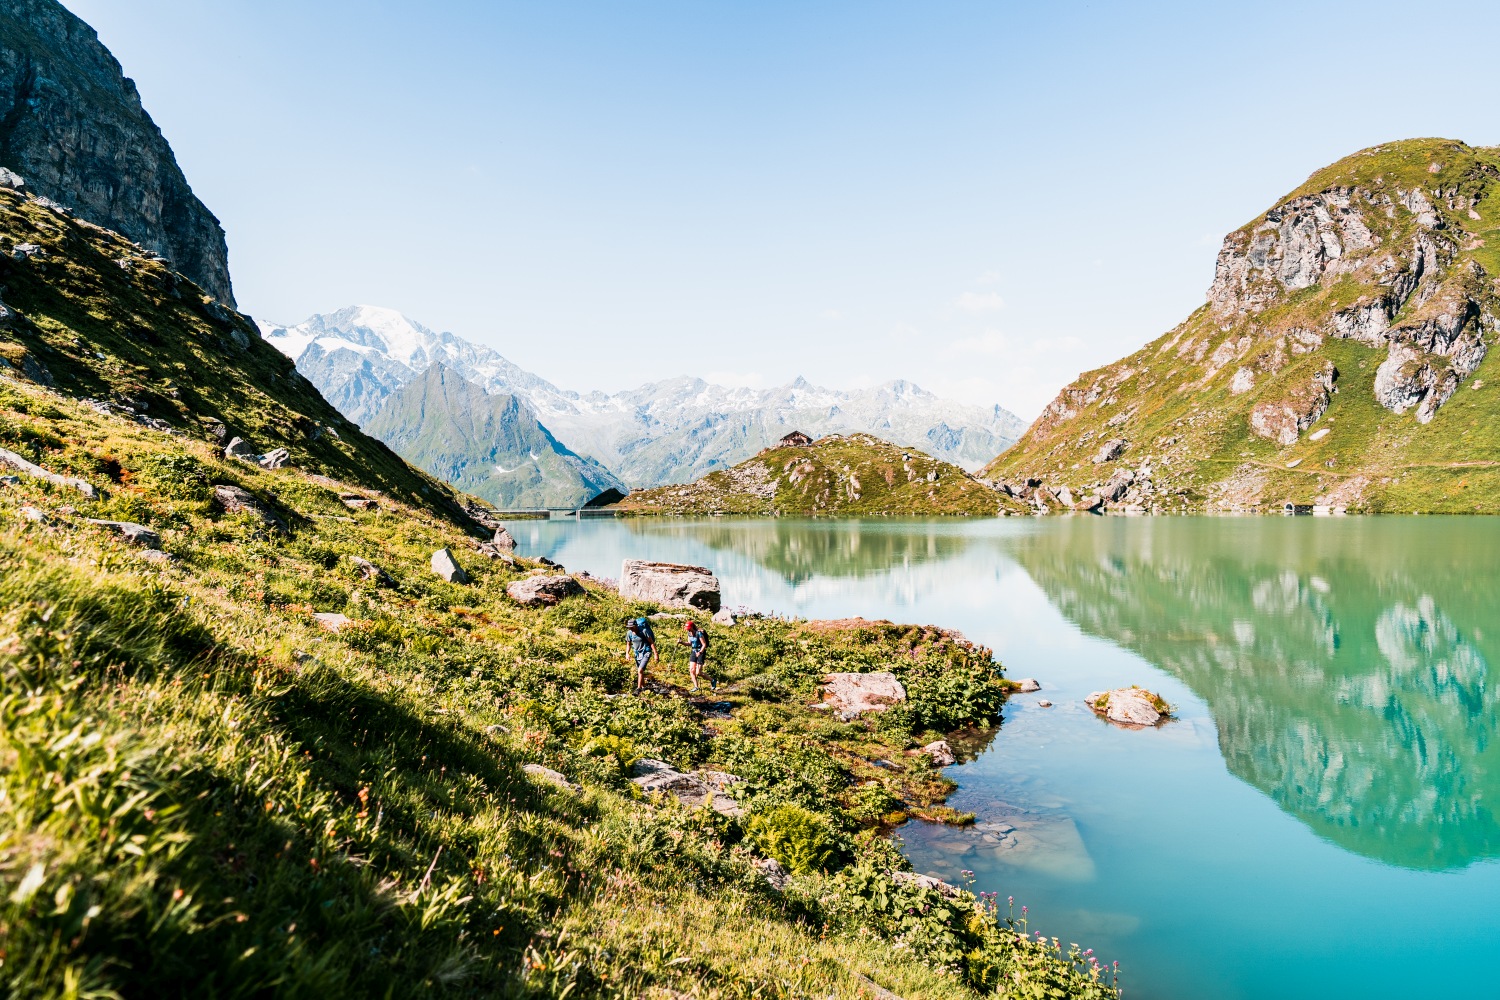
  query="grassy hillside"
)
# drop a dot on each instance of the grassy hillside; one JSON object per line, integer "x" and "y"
{"x": 854, "y": 475}
{"x": 93, "y": 315}
{"x": 204, "y": 791}
{"x": 1343, "y": 357}
{"x": 490, "y": 445}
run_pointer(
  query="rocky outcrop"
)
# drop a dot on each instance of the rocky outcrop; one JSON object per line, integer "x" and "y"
{"x": 72, "y": 125}
{"x": 692, "y": 790}
{"x": 541, "y": 591}
{"x": 670, "y": 584}
{"x": 9, "y": 459}
{"x": 1284, "y": 420}
{"x": 135, "y": 534}
{"x": 849, "y": 695}
{"x": 1131, "y": 707}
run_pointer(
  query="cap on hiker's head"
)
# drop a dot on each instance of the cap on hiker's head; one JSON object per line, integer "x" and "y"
{"x": 689, "y": 624}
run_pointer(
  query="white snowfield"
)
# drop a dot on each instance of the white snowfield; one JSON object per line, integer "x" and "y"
{"x": 663, "y": 432}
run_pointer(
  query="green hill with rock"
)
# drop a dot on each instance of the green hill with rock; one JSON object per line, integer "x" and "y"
{"x": 854, "y": 475}
{"x": 1342, "y": 360}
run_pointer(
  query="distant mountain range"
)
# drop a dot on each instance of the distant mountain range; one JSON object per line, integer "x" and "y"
{"x": 671, "y": 431}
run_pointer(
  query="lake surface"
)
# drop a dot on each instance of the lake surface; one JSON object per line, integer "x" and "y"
{"x": 1319, "y": 821}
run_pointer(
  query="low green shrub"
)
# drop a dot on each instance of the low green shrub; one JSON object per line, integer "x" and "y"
{"x": 800, "y": 839}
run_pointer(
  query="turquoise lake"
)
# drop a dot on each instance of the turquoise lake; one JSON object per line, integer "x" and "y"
{"x": 1320, "y": 818}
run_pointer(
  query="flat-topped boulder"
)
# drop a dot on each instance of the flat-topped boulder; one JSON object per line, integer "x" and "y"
{"x": 445, "y": 566}
{"x": 1132, "y": 707}
{"x": 671, "y": 584}
{"x": 851, "y": 695}
{"x": 692, "y": 790}
{"x": 135, "y": 534}
{"x": 536, "y": 591}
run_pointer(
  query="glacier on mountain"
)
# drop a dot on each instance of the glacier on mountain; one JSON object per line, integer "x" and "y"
{"x": 669, "y": 431}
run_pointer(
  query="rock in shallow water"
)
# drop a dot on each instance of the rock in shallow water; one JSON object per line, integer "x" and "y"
{"x": 671, "y": 584}
{"x": 1132, "y": 706}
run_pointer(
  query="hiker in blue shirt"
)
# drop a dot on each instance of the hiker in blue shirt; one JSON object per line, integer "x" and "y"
{"x": 697, "y": 644}
{"x": 640, "y": 643}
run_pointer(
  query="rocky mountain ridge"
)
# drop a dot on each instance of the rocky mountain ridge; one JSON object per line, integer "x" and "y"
{"x": 488, "y": 444}
{"x": 667, "y": 431}
{"x": 1323, "y": 369}
{"x": 73, "y": 128}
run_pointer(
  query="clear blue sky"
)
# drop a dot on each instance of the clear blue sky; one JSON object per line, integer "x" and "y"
{"x": 986, "y": 198}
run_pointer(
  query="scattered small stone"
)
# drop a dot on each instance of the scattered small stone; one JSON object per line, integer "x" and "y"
{"x": 136, "y": 534}
{"x": 689, "y": 789}
{"x": 355, "y": 501}
{"x": 941, "y": 753}
{"x": 777, "y": 876}
{"x": 237, "y": 500}
{"x": 35, "y": 514}
{"x": 1044, "y": 703}
{"x": 156, "y": 556}
{"x": 723, "y": 617}
{"x": 369, "y": 571}
{"x": 921, "y": 881}
{"x": 547, "y": 774}
{"x": 331, "y": 620}
{"x": 445, "y": 566}
{"x": 537, "y": 591}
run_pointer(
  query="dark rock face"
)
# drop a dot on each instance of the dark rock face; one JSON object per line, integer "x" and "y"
{"x": 72, "y": 125}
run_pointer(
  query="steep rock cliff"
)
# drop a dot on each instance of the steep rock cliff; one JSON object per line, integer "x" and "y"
{"x": 72, "y": 126}
{"x": 1326, "y": 364}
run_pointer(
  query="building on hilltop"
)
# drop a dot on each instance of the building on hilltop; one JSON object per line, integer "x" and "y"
{"x": 796, "y": 439}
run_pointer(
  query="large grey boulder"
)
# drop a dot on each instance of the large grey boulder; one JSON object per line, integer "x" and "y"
{"x": 14, "y": 461}
{"x": 275, "y": 459}
{"x": 941, "y": 753}
{"x": 239, "y": 448}
{"x": 671, "y": 584}
{"x": 135, "y": 534}
{"x": 1132, "y": 707}
{"x": 691, "y": 790}
{"x": 1026, "y": 685}
{"x": 445, "y": 566}
{"x": 504, "y": 540}
{"x": 538, "y": 591}
{"x": 850, "y": 695}
{"x": 12, "y": 180}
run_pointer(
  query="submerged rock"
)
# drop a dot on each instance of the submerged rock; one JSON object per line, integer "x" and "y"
{"x": 1026, "y": 685}
{"x": 1133, "y": 707}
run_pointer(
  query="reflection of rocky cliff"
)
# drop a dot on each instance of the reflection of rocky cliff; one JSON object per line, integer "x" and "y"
{"x": 1344, "y": 663}
{"x": 797, "y": 552}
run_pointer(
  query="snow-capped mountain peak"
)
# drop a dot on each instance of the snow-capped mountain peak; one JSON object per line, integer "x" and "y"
{"x": 668, "y": 431}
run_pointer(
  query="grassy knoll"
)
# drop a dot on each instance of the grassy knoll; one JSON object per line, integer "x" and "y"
{"x": 205, "y": 792}
{"x": 854, "y": 475}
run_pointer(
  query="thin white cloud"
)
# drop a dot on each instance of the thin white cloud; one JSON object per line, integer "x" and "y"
{"x": 980, "y": 302}
{"x": 833, "y": 314}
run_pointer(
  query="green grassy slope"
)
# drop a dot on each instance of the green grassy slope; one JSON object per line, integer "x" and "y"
{"x": 96, "y": 317}
{"x": 204, "y": 792}
{"x": 853, "y": 475}
{"x": 489, "y": 445}
{"x": 1186, "y": 419}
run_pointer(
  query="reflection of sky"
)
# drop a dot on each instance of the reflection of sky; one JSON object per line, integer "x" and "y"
{"x": 1142, "y": 844}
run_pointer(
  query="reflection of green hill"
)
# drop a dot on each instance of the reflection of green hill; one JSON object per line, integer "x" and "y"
{"x": 798, "y": 550}
{"x": 1345, "y": 662}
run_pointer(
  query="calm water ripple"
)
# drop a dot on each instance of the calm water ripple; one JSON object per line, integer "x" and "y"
{"x": 1320, "y": 819}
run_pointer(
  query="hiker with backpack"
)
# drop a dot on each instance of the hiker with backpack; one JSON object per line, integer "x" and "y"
{"x": 640, "y": 645}
{"x": 697, "y": 644}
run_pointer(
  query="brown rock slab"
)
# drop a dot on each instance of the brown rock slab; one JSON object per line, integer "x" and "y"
{"x": 537, "y": 591}
{"x": 850, "y": 695}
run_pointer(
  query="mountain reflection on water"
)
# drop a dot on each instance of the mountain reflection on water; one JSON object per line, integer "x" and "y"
{"x": 798, "y": 551}
{"x": 1346, "y": 663}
